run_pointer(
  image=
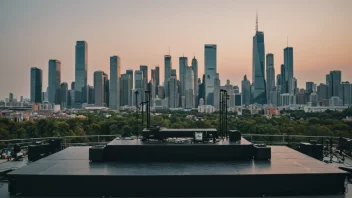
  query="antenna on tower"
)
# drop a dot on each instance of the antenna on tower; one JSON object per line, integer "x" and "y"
{"x": 256, "y": 22}
{"x": 169, "y": 50}
{"x": 287, "y": 41}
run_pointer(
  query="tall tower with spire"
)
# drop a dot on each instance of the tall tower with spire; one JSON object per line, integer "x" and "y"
{"x": 258, "y": 64}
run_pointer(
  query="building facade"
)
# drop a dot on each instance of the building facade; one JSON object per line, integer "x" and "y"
{"x": 210, "y": 70}
{"x": 81, "y": 70}
{"x": 36, "y": 85}
{"x": 54, "y": 81}
{"x": 114, "y": 88}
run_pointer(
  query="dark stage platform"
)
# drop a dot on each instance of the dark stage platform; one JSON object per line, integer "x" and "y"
{"x": 69, "y": 173}
{"x": 136, "y": 150}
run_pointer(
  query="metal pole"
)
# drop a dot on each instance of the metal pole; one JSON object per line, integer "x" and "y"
{"x": 136, "y": 92}
{"x": 226, "y": 132}
{"x": 220, "y": 106}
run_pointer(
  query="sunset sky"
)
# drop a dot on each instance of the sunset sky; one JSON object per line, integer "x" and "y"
{"x": 141, "y": 31}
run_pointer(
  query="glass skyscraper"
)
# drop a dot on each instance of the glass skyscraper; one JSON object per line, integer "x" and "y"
{"x": 167, "y": 72}
{"x": 210, "y": 70}
{"x": 36, "y": 85}
{"x": 54, "y": 81}
{"x": 288, "y": 62}
{"x": 115, "y": 75}
{"x": 81, "y": 69}
{"x": 258, "y": 79}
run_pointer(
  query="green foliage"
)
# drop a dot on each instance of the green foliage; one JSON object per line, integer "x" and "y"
{"x": 292, "y": 122}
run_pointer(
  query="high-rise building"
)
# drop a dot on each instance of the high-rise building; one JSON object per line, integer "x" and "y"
{"x": 144, "y": 69}
{"x": 238, "y": 100}
{"x": 183, "y": 63}
{"x": 322, "y": 91}
{"x": 157, "y": 79}
{"x": 270, "y": 75}
{"x": 64, "y": 95}
{"x": 216, "y": 91}
{"x": 210, "y": 70}
{"x": 195, "y": 78}
{"x": 295, "y": 87}
{"x": 54, "y": 81}
{"x": 99, "y": 88}
{"x": 139, "y": 85}
{"x": 126, "y": 89}
{"x": 167, "y": 72}
{"x": 334, "y": 81}
{"x": 258, "y": 61}
{"x": 288, "y": 62}
{"x": 11, "y": 97}
{"x": 201, "y": 89}
{"x": 284, "y": 83}
{"x": 115, "y": 76}
{"x": 21, "y": 99}
{"x": 278, "y": 82}
{"x": 246, "y": 91}
{"x": 130, "y": 72}
{"x": 172, "y": 88}
{"x": 188, "y": 86}
{"x": 287, "y": 99}
{"x": 81, "y": 70}
{"x": 345, "y": 93}
{"x": 107, "y": 91}
{"x": 275, "y": 98}
{"x": 91, "y": 94}
{"x": 73, "y": 85}
{"x": 309, "y": 87}
{"x": 161, "y": 93}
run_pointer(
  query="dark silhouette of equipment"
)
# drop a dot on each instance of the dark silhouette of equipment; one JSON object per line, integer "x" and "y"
{"x": 17, "y": 154}
{"x": 234, "y": 135}
{"x": 312, "y": 149}
{"x": 262, "y": 152}
{"x": 148, "y": 101}
{"x": 43, "y": 149}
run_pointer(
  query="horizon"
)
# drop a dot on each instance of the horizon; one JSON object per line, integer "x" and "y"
{"x": 145, "y": 30}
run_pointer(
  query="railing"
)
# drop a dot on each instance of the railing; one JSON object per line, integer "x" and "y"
{"x": 89, "y": 140}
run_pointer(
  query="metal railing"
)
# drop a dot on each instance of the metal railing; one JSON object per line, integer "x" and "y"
{"x": 90, "y": 140}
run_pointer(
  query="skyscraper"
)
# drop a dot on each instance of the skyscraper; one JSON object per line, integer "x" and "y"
{"x": 99, "y": 88}
{"x": 217, "y": 91}
{"x": 322, "y": 91}
{"x": 107, "y": 91}
{"x": 334, "y": 83}
{"x": 157, "y": 76}
{"x": 183, "y": 63}
{"x": 91, "y": 95}
{"x": 54, "y": 81}
{"x": 345, "y": 93}
{"x": 81, "y": 69}
{"x": 288, "y": 62}
{"x": 139, "y": 85}
{"x": 278, "y": 82}
{"x": 172, "y": 88}
{"x": 64, "y": 95}
{"x": 270, "y": 75}
{"x": 125, "y": 90}
{"x": 115, "y": 75}
{"x": 283, "y": 80}
{"x": 309, "y": 87}
{"x": 210, "y": 70}
{"x": 11, "y": 97}
{"x": 167, "y": 72}
{"x": 195, "y": 79}
{"x": 188, "y": 86}
{"x": 144, "y": 69}
{"x": 258, "y": 75}
{"x": 130, "y": 72}
{"x": 246, "y": 91}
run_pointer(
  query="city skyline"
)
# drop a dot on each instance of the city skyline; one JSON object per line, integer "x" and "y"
{"x": 316, "y": 56}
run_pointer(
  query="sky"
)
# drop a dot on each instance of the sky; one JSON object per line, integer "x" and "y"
{"x": 142, "y": 31}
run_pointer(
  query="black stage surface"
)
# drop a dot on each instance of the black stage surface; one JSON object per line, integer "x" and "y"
{"x": 69, "y": 173}
{"x": 136, "y": 150}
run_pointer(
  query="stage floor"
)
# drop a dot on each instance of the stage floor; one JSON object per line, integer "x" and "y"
{"x": 288, "y": 173}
